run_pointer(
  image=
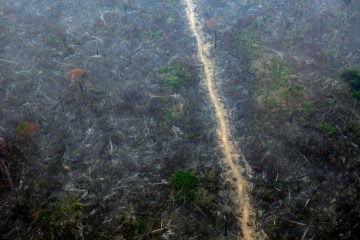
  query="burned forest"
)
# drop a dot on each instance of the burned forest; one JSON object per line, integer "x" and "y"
{"x": 179, "y": 119}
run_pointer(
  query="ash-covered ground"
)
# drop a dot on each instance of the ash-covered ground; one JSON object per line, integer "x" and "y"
{"x": 101, "y": 102}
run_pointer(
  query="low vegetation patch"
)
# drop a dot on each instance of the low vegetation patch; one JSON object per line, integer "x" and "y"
{"x": 186, "y": 185}
{"x": 248, "y": 43}
{"x": 352, "y": 77}
{"x": 26, "y": 129}
{"x": 328, "y": 129}
{"x": 173, "y": 77}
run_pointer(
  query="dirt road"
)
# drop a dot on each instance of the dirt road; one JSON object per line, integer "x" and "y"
{"x": 244, "y": 212}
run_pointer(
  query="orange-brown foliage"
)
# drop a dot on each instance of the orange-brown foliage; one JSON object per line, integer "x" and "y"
{"x": 26, "y": 129}
{"x": 210, "y": 23}
{"x": 214, "y": 22}
{"x": 77, "y": 74}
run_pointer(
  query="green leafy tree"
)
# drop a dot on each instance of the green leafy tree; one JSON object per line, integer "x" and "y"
{"x": 185, "y": 184}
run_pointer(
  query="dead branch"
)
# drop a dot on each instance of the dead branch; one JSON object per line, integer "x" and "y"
{"x": 153, "y": 232}
{"x": 197, "y": 208}
{"x": 8, "y": 61}
{"x": 297, "y": 177}
{"x": 8, "y": 175}
{"x": 298, "y": 223}
{"x": 305, "y": 232}
{"x": 307, "y": 202}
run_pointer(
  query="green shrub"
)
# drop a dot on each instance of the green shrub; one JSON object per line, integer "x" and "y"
{"x": 328, "y": 129}
{"x": 309, "y": 106}
{"x": 68, "y": 208}
{"x": 173, "y": 76}
{"x": 279, "y": 71}
{"x": 62, "y": 218}
{"x": 248, "y": 43}
{"x": 354, "y": 128}
{"x": 352, "y": 77}
{"x": 185, "y": 184}
{"x": 55, "y": 39}
{"x": 272, "y": 87}
{"x": 172, "y": 2}
{"x": 356, "y": 94}
{"x": 139, "y": 226}
{"x": 275, "y": 73}
{"x": 205, "y": 199}
{"x": 169, "y": 117}
{"x": 46, "y": 218}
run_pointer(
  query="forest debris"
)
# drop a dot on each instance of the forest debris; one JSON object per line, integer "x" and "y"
{"x": 8, "y": 61}
{"x": 66, "y": 168}
{"x": 197, "y": 208}
{"x": 305, "y": 232}
{"x": 297, "y": 177}
{"x": 298, "y": 223}
{"x": 4, "y": 168}
{"x": 356, "y": 177}
{"x": 158, "y": 231}
{"x": 355, "y": 226}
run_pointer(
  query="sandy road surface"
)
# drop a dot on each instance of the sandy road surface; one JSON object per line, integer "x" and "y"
{"x": 245, "y": 212}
